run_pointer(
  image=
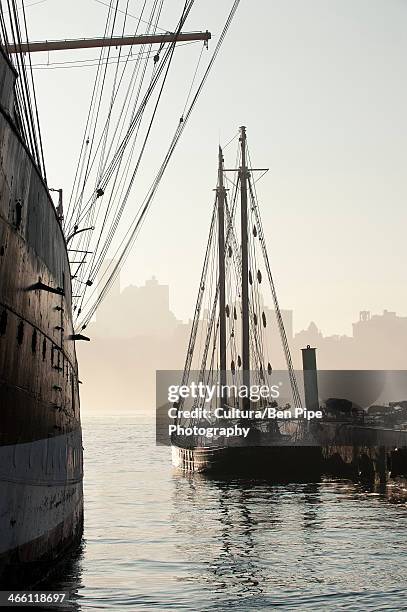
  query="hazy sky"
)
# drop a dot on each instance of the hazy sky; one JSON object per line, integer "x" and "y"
{"x": 321, "y": 87}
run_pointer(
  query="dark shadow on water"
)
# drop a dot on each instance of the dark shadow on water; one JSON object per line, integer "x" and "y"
{"x": 65, "y": 577}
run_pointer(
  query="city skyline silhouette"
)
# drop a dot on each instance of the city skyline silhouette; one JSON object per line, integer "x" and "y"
{"x": 136, "y": 333}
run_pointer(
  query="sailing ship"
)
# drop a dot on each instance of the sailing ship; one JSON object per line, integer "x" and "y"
{"x": 41, "y": 453}
{"x": 229, "y": 432}
{"x": 41, "y": 500}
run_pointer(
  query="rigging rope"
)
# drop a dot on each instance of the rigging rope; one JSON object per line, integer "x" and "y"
{"x": 283, "y": 335}
{"x": 26, "y": 111}
{"x": 130, "y": 236}
{"x": 95, "y": 268}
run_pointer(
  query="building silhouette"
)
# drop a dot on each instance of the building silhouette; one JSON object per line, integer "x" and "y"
{"x": 135, "y": 333}
{"x": 378, "y": 342}
{"x": 135, "y": 311}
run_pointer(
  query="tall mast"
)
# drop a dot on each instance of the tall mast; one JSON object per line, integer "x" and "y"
{"x": 243, "y": 176}
{"x": 221, "y": 196}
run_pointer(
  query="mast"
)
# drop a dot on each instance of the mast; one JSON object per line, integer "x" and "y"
{"x": 243, "y": 176}
{"x": 116, "y": 41}
{"x": 221, "y": 196}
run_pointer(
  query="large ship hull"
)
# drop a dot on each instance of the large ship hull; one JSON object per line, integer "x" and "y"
{"x": 41, "y": 514}
{"x": 41, "y": 468}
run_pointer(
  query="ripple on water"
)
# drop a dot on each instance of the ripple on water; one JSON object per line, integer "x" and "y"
{"x": 156, "y": 540}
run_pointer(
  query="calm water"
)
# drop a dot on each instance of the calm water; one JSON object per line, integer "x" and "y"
{"x": 155, "y": 540}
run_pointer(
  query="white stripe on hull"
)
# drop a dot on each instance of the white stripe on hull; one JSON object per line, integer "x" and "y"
{"x": 194, "y": 460}
{"x": 40, "y": 488}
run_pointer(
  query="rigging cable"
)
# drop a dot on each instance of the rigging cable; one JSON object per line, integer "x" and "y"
{"x": 134, "y": 229}
{"x": 95, "y": 266}
{"x": 128, "y": 190}
{"x": 126, "y": 104}
{"x": 95, "y": 114}
{"x": 127, "y": 14}
{"x": 85, "y": 62}
{"x": 119, "y": 153}
{"x": 287, "y": 352}
{"x": 26, "y": 114}
{"x": 35, "y": 98}
{"x": 81, "y": 159}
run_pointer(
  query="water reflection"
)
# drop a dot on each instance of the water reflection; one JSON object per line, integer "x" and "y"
{"x": 157, "y": 540}
{"x": 236, "y": 559}
{"x": 263, "y": 545}
{"x": 236, "y": 526}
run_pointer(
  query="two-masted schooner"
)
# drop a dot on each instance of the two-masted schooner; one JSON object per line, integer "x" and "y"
{"x": 230, "y": 343}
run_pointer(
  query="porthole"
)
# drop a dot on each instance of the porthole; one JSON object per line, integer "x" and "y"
{"x": 20, "y": 332}
{"x": 3, "y": 322}
{"x": 19, "y": 209}
{"x": 34, "y": 341}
